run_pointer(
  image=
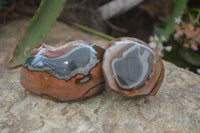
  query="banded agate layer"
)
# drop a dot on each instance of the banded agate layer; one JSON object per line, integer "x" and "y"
{"x": 67, "y": 73}
{"x": 132, "y": 68}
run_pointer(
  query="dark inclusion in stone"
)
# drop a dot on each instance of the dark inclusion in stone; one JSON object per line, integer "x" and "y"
{"x": 134, "y": 67}
{"x": 79, "y": 60}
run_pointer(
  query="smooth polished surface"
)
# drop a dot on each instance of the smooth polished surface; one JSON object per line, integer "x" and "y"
{"x": 67, "y": 73}
{"x": 78, "y": 60}
{"x": 132, "y": 68}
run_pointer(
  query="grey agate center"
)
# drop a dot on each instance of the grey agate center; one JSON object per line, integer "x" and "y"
{"x": 80, "y": 60}
{"x": 134, "y": 68}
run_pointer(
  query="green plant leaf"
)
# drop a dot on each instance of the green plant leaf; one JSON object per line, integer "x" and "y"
{"x": 89, "y": 30}
{"x": 165, "y": 20}
{"x": 178, "y": 8}
{"x": 37, "y": 30}
{"x": 189, "y": 56}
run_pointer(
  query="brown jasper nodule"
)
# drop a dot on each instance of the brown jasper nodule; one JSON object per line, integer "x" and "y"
{"x": 67, "y": 73}
{"x": 131, "y": 68}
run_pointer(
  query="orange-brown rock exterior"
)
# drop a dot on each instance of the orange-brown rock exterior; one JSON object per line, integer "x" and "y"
{"x": 67, "y": 73}
{"x": 131, "y": 68}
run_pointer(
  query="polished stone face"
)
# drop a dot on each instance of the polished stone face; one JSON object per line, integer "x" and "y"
{"x": 67, "y": 73}
{"x": 79, "y": 60}
{"x": 133, "y": 66}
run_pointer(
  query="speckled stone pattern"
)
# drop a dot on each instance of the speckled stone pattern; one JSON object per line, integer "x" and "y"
{"x": 68, "y": 73}
{"x": 132, "y": 68}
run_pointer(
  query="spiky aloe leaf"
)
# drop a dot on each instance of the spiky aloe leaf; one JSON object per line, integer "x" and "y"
{"x": 36, "y": 31}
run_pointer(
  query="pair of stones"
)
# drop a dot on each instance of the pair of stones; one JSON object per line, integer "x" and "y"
{"x": 78, "y": 70}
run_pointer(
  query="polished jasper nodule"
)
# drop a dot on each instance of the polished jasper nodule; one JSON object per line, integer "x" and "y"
{"x": 67, "y": 73}
{"x": 131, "y": 68}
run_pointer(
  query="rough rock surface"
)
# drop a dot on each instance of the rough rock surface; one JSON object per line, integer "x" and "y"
{"x": 176, "y": 107}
